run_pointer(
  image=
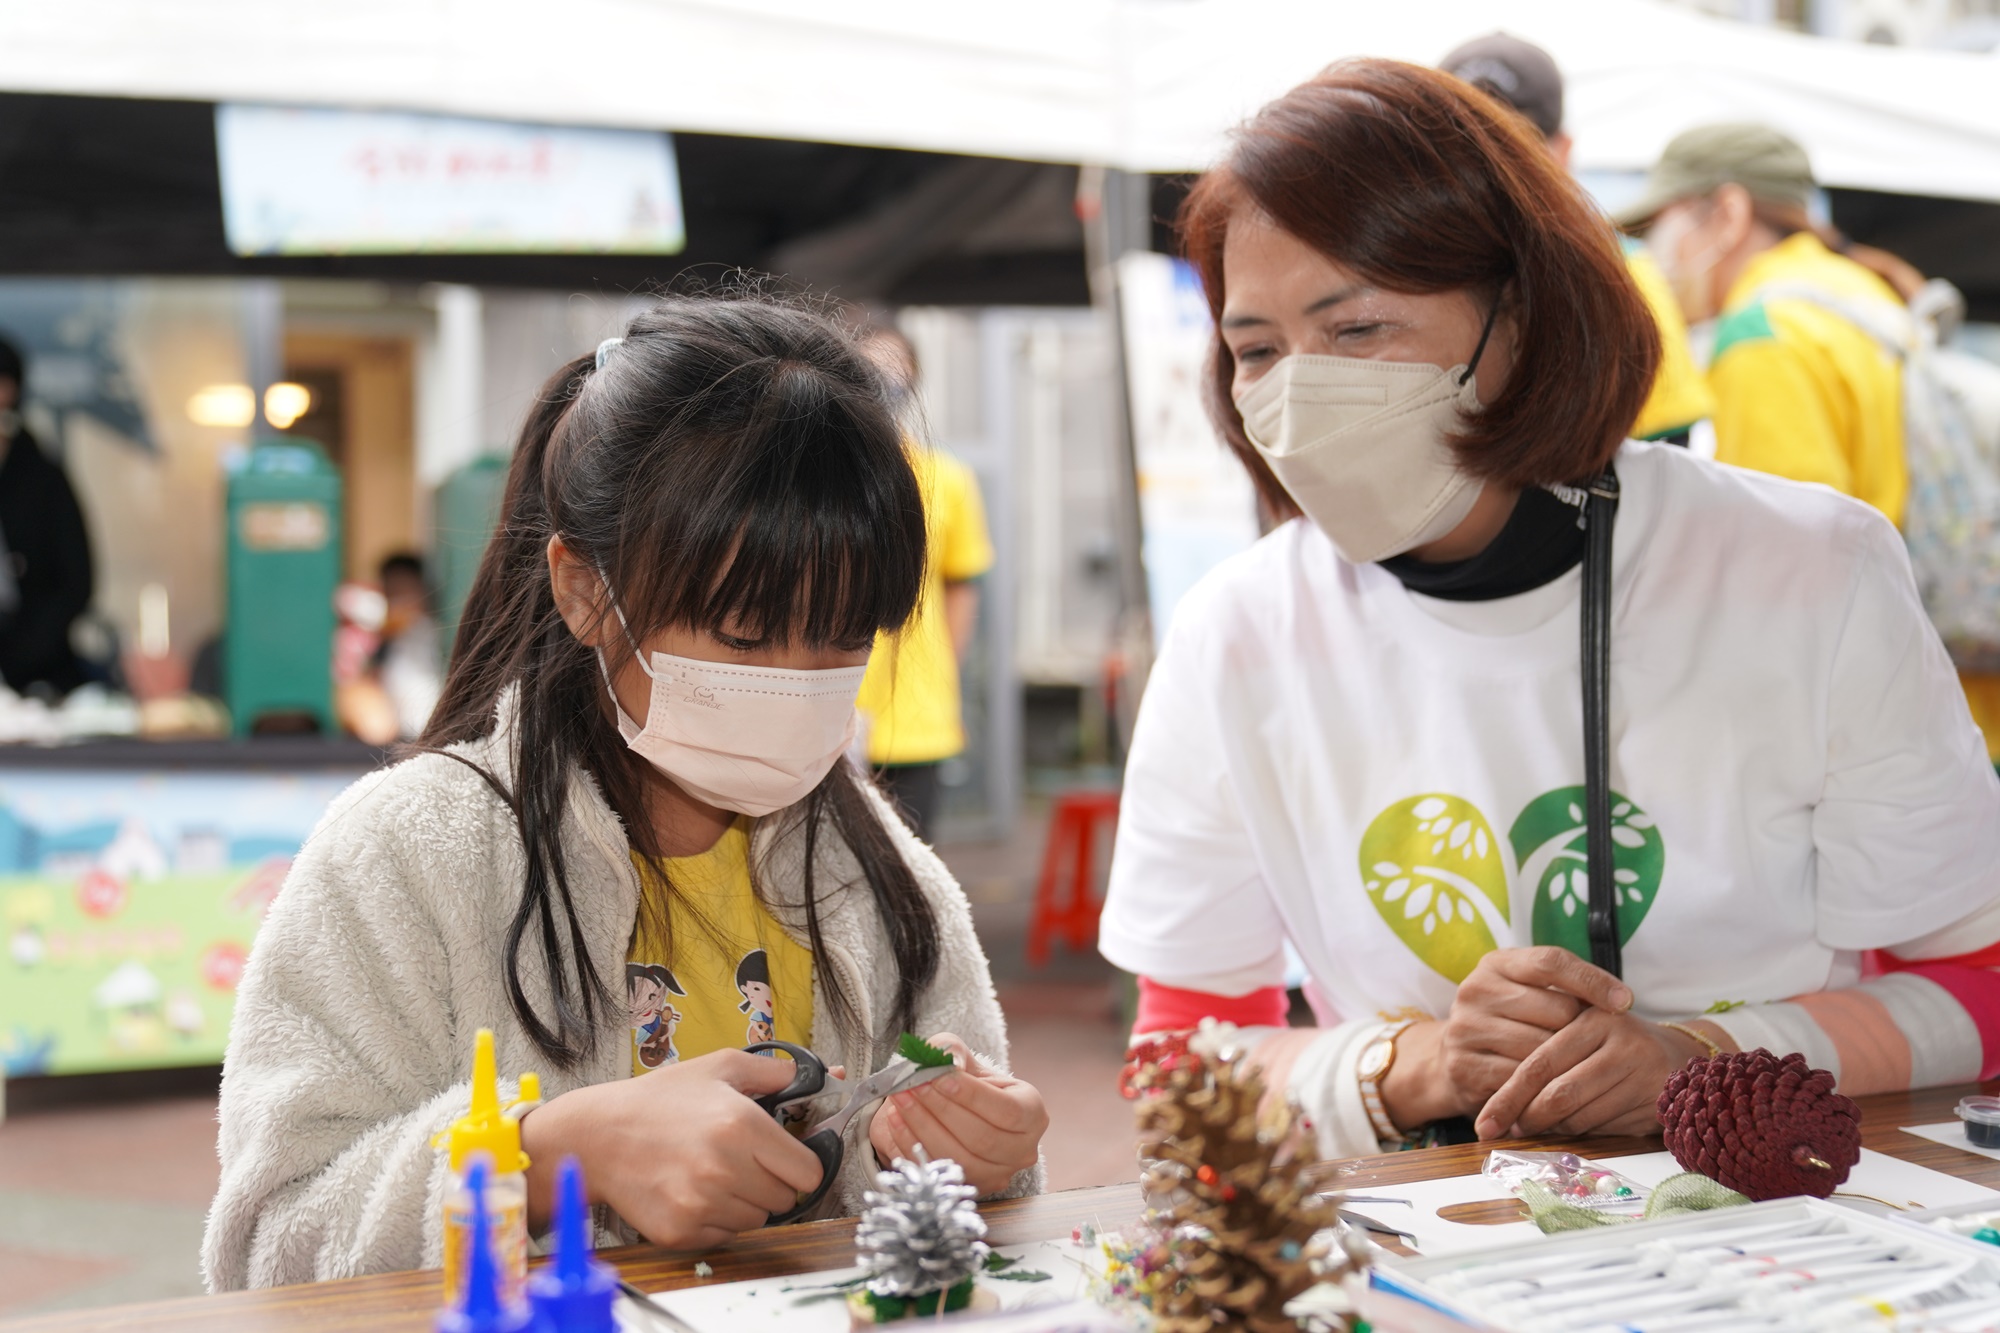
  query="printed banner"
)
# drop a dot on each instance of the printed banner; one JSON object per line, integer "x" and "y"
{"x": 324, "y": 180}
{"x": 128, "y": 902}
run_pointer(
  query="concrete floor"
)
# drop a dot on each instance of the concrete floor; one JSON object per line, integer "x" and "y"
{"x": 103, "y": 1203}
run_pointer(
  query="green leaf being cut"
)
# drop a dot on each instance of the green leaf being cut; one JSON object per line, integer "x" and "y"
{"x": 920, "y": 1052}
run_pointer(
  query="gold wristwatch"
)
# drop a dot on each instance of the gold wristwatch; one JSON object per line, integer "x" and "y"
{"x": 1377, "y": 1058}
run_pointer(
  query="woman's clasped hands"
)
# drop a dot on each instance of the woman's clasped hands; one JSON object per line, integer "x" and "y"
{"x": 1538, "y": 1041}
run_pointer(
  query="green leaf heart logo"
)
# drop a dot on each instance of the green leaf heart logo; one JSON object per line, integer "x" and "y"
{"x": 1548, "y": 845}
{"x": 1433, "y": 868}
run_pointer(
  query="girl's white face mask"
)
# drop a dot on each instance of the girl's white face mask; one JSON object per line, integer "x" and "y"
{"x": 748, "y": 739}
{"x": 1361, "y": 445}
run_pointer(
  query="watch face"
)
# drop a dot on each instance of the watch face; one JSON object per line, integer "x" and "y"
{"x": 1375, "y": 1060}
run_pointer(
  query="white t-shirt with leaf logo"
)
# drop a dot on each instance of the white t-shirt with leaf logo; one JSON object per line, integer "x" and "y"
{"x": 1394, "y": 783}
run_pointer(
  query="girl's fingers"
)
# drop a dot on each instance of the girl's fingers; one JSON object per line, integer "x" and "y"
{"x": 783, "y": 1159}
{"x": 965, "y": 1140}
{"x": 988, "y": 1101}
{"x": 736, "y": 1216}
{"x": 902, "y": 1140}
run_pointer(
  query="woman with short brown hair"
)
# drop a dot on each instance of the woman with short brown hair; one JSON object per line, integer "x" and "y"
{"x": 1509, "y": 692}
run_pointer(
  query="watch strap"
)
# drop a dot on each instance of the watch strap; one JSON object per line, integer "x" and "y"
{"x": 1371, "y": 1085}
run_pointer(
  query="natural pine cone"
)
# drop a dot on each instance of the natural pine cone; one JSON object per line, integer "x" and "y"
{"x": 1766, "y": 1127}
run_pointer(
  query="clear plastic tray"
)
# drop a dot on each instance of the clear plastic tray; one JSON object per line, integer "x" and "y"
{"x": 1427, "y": 1295}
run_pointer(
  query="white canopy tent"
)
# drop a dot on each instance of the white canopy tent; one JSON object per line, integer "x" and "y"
{"x": 1637, "y": 72}
{"x": 1148, "y": 85}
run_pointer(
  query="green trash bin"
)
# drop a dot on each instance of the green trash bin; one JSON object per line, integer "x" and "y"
{"x": 468, "y": 508}
{"x": 283, "y": 566}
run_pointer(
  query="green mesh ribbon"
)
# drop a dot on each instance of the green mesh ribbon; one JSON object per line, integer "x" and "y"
{"x": 1676, "y": 1196}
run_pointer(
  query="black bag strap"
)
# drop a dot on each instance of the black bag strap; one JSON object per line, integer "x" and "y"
{"x": 1600, "y": 515}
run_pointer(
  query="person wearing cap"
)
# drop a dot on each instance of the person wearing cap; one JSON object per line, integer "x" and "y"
{"x": 1526, "y": 78}
{"x": 1800, "y": 390}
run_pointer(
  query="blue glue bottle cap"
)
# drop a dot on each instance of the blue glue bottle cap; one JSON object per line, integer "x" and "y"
{"x": 577, "y": 1292}
{"x": 479, "y": 1308}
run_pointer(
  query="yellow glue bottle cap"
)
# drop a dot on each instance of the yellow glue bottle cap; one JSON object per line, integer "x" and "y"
{"x": 486, "y": 1128}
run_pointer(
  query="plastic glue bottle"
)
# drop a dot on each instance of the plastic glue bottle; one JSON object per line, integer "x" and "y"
{"x": 480, "y": 1306}
{"x": 577, "y": 1292}
{"x": 490, "y": 1132}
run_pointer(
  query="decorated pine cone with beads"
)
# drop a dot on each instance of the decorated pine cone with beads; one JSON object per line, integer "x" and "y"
{"x": 1765, "y": 1126}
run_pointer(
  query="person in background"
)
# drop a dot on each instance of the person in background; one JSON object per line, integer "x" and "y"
{"x": 910, "y": 696}
{"x": 1525, "y": 77}
{"x": 409, "y": 662}
{"x": 1800, "y": 390}
{"x": 46, "y": 577}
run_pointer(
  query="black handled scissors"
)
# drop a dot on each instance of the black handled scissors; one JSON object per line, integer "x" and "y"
{"x": 899, "y": 1075}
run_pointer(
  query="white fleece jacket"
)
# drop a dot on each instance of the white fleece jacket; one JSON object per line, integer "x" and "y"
{"x": 352, "y": 1042}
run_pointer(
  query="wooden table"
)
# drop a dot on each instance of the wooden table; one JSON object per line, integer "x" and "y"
{"x": 409, "y": 1301}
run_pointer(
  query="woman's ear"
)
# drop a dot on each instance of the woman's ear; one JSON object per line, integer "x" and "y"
{"x": 579, "y": 594}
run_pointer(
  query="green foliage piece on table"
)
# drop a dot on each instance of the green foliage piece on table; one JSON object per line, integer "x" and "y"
{"x": 999, "y": 1265}
{"x": 920, "y": 1052}
{"x": 888, "y": 1308}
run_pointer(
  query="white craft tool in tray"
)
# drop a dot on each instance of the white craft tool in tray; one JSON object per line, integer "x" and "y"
{"x": 1791, "y": 1265}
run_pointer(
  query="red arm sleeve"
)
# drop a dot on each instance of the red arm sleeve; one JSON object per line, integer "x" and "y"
{"x": 1168, "y": 1008}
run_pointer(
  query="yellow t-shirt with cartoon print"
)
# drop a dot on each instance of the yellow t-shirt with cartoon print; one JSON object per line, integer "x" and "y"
{"x": 728, "y": 976}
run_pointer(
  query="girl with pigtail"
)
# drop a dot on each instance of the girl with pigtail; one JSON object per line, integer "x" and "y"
{"x": 637, "y": 761}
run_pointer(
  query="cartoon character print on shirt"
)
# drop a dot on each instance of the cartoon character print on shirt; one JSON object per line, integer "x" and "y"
{"x": 753, "y": 983}
{"x": 1441, "y": 879}
{"x": 654, "y": 1018}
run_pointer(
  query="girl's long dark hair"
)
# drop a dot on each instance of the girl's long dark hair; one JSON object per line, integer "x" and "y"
{"x": 735, "y": 460}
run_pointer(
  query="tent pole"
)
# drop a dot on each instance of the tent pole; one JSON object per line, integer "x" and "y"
{"x": 1116, "y": 209}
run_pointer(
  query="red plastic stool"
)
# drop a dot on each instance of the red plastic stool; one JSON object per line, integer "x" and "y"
{"x": 1073, "y": 829}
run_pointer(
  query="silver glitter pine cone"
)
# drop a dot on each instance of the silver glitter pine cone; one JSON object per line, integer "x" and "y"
{"x": 921, "y": 1232}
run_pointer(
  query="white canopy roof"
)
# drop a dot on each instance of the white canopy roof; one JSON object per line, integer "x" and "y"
{"x": 1141, "y": 84}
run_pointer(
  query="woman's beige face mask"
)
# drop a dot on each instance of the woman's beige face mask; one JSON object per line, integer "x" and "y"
{"x": 1363, "y": 447}
{"x": 1351, "y": 392}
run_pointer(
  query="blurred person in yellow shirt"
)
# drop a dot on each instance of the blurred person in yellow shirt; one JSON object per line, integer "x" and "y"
{"x": 910, "y": 698}
{"x": 1799, "y": 390}
{"x": 1526, "y": 78}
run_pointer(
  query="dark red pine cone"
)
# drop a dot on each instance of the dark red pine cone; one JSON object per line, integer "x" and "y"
{"x": 1764, "y": 1126}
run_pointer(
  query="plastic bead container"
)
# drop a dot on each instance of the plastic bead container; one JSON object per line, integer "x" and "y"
{"x": 1982, "y": 1120}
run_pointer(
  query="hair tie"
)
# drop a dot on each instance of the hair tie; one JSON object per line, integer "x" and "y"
{"x": 604, "y": 350}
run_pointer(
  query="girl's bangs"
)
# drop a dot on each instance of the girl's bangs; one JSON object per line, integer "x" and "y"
{"x": 793, "y": 552}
